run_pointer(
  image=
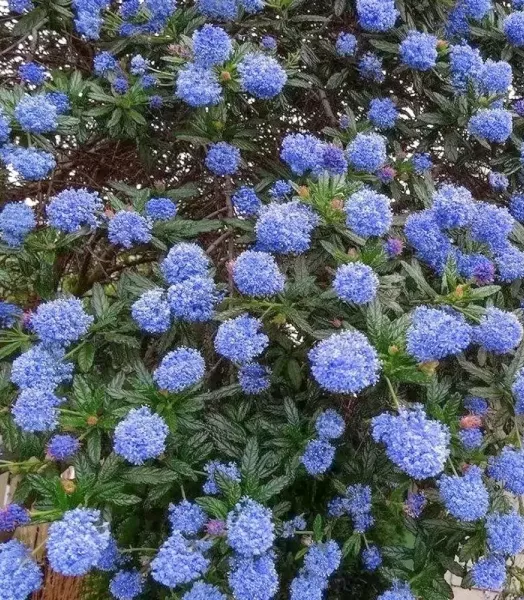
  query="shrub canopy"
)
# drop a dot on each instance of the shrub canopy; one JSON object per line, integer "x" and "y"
{"x": 261, "y": 275}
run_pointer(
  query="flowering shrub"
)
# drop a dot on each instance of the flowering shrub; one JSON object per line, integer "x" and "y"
{"x": 261, "y": 288}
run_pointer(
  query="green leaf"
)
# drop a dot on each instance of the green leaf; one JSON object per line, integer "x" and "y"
{"x": 32, "y": 20}
{"x": 110, "y": 467}
{"x": 318, "y": 530}
{"x": 415, "y": 272}
{"x": 352, "y": 546}
{"x": 94, "y": 445}
{"x": 120, "y": 499}
{"x": 292, "y": 414}
{"x": 213, "y": 507}
{"x": 294, "y": 373}
{"x": 99, "y": 300}
{"x": 272, "y": 488}
{"x": 249, "y": 463}
{"x": 150, "y": 475}
{"x": 86, "y": 357}
{"x": 385, "y": 46}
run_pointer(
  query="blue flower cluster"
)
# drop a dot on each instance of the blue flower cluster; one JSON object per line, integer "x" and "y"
{"x": 178, "y": 561}
{"x": 180, "y": 369}
{"x": 187, "y": 517}
{"x": 489, "y": 573}
{"x": 329, "y": 425}
{"x": 254, "y": 378}
{"x": 76, "y": 542}
{"x": 471, "y": 438}
{"x": 492, "y": 124}
{"x": 301, "y": 152}
{"x": 320, "y": 562}
{"x": 31, "y": 72}
{"x": 435, "y": 333}
{"x": 240, "y": 340}
{"x": 223, "y": 159}
{"x": 246, "y": 202}
{"x": 518, "y": 391}
{"x": 371, "y": 558}
{"x": 60, "y": 100}
{"x": 203, "y": 591}
{"x": 508, "y": 467}
{"x": 61, "y": 322}
{"x": 194, "y": 299}
{"x": 377, "y": 15}
{"x": 345, "y": 363}
{"x": 9, "y": 314}
{"x": 498, "y": 331}
{"x": 184, "y": 261}
{"x": 417, "y": 445}
{"x": 30, "y": 163}
{"x": 257, "y": 274}
{"x": 346, "y": 44}
{"x": 151, "y": 312}
{"x": 356, "y": 282}
{"x": 62, "y": 447}
{"x": 399, "y": 591}
{"x": 466, "y": 498}
{"x": 160, "y": 209}
{"x": 505, "y": 533}
{"x": 318, "y": 456}
{"x": 261, "y": 75}
{"x": 367, "y": 152}
{"x": 35, "y": 410}
{"x": 211, "y": 46}
{"x": 127, "y": 229}
{"x": 514, "y": 28}
{"x": 281, "y": 189}
{"x": 498, "y": 181}
{"x": 453, "y": 206}
{"x": 13, "y": 516}
{"x": 88, "y": 17}
{"x": 285, "y": 228}
{"x": 20, "y": 575}
{"x": 16, "y": 221}
{"x": 140, "y": 436}
{"x": 251, "y": 578}
{"x": 368, "y": 213}
{"x": 104, "y": 63}
{"x": 370, "y": 67}
{"x": 227, "y": 10}
{"x": 465, "y": 64}
{"x": 126, "y": 585}
{"x": 419, "y": 51}
{"x": 36, "y": 114}
{"x": 495, "y": 77}
{"x": 72, "y": 209}
{"x": 250, "y": 529}
{"x": 382, "y": 113}
{"x": 197, "y": 86}
{"x": 41, "y": 367}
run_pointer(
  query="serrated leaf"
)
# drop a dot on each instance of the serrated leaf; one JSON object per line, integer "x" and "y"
{"x": 120, "y": 499}
{"x": 213, "y": 507}
{"x": 86, "y": 357}
{"x": 272, "y": 488}
{"x": 150, "y": 475}
{"x": 249, "y": 462}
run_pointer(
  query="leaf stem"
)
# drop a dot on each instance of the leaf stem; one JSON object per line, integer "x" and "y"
{"x": 393, "y": 393}
{"x": 519, "y": 440}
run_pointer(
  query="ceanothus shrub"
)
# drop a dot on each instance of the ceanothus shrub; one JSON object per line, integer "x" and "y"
{"x": 261, "y": 288}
